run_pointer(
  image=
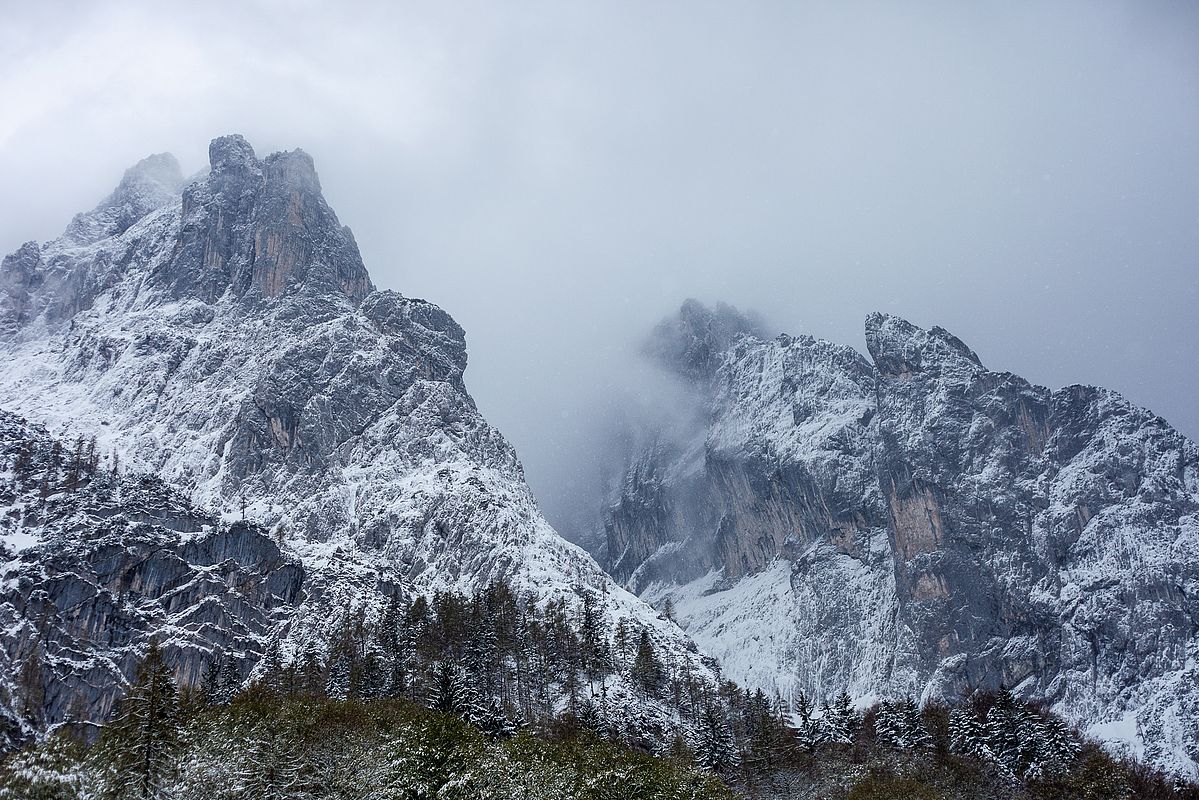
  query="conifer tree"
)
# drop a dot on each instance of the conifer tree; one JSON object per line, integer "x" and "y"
{"x": 715, "y": 747}
{"x": 967, "y": 734}
{"x": 311, "y": 674}
{"x": 839, "y": 721}
{"x": 337, "y": 684}
{"x": 647, "y": 671}
{"x": 210, "y": 684}
{"x": 230, "y": 681}
{"x": 271, "y": 676}
{"x": 143, "y": 738}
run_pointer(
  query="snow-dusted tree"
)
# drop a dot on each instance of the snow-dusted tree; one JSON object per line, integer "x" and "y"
{"x": 310, "y": 674}
{"x": 270, "y": 675}
{"x": 715, "y": 748}
{"x": 839, "y": 721}
{"x": 337, "y": 683}
{"x": 274, "y": 768}
{"x": 1057, "y": 747}
{"x": 210, "y": 684}
{"x": 588, "y": 715}
{"x": 647, "y": 670}
{"x": 902, "y": 725}
{"x": 140, "y": 743}
{"x": 967, "y": 734}
{"x": 372, "y": 673}
{"x": 229, "y": 683}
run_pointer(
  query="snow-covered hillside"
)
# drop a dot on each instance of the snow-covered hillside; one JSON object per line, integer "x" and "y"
{"x": 225, "y": 337}
{"x": 921, "y": 524}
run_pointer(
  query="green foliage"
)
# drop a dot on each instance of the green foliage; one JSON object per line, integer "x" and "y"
{"x": 262, "y": 747}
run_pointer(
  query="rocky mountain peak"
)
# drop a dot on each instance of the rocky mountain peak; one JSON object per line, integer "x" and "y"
{"x": 232, "y": 155}
{"x": 157, "y": 177}
{"x": 293, "y": 169}
{"x": 150, "y": 184}
{"x": 263, "y": 229}
{"x": 692, "y": 342}
{"x": 900, "y": 348}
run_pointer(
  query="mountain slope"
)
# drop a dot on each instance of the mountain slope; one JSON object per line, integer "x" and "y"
{"x": 922, "y": 524}
{"x": 228, "y": 339}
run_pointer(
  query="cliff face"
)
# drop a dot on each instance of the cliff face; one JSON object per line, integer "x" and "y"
{"x": 921, "y": 523}
{"x": 96, "y": 563}
{"x": 225, "y": 337}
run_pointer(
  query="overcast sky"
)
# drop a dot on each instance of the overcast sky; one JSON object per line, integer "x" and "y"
{"x": 559, "y": 175}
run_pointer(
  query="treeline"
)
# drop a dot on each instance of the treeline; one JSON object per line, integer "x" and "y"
{"x": 506, "y": 664}
{"x": 46, "y": 465}
{"x": 503, "y": 662}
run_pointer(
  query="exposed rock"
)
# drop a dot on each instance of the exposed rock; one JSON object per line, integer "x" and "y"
{"x": 924, "y": 524}
{"x": 232, "y": 343}
{"x": 95, "y": 564}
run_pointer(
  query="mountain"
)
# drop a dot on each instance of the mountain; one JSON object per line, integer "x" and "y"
{"x": 314, "y": 451}
{"x": 914, "y": 522}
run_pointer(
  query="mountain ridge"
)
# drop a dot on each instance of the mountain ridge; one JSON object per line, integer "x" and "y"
{"x": 229, "y": 340}
{"x": 922, "y": 524}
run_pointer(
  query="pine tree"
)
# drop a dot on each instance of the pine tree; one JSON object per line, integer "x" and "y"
{"x": 210, "y": 684}
{"x": 901, "y": 725}
{"x": 337, "y": 684}
{"x": 372, "y": 673}
{"x": 839, "y": 722}
{"x": 230, "y": 681}
{"x": 968, "y": 735}
{"x": 145, "y": 734}
{"x": 647, "y": 671}
{"x": 1057, "y": 747}
{"x": 444, "y": 694}
{"x": 668, "y": 610}
{"x": 588, "y": 715}
{"x": 271, "y": 676}
{"x": 274, "y": 769}
{"x": 715, "y": 748}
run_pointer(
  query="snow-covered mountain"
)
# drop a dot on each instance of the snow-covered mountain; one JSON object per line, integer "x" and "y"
{"x": 224, "y": 336}
{"x": 918, "y": 523}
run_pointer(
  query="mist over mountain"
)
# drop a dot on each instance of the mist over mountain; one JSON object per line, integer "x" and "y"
{"x": 912, "y": 522}
{"x": 621, "y": 471}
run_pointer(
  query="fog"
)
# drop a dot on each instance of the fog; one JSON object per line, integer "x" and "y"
{"x": 560, "y": 175}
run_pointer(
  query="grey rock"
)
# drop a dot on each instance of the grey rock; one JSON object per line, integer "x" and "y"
{"x": 231, "y": 343}
{"x": 923, "y": 524}
{"x": 95, "y": 569}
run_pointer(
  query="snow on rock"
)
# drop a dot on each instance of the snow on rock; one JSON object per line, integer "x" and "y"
{"x": 922, "y": 524}
{"x": 229, "y": 341}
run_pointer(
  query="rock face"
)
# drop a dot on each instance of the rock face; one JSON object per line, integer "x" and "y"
{"x": 922, "y": 524}
{"x": 225, "y": 336}
{"x": 96, "y": 563}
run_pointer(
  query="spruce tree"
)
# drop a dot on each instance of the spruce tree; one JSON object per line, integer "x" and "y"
{"x": 337, "y": 684}
{"x": 229, "y": 683}
{"x": 840, "y": 721}
{"x": 715, "y": 748}
{"x": 647, "y": 671}
{"x": 142, "y": 740}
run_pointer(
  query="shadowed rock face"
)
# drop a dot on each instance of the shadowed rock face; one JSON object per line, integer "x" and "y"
{"x": 261, "y": 227}
{"x": 1012, "y": 535}
{"x": 95, "y": 565}
{"x": 228, "y": 341}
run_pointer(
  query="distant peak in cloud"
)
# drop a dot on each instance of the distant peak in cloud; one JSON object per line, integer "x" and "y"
{"x": 692, "y": 341}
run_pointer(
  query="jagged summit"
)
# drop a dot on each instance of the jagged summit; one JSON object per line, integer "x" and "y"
{"x": 898, "y": 347}
{"x": 147, "y": 186}
{"x": 692, "y": 341}
{"x": 230, "y": 343}
{"x": 262, "y": 228}
{"x": 232, "y": 155}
